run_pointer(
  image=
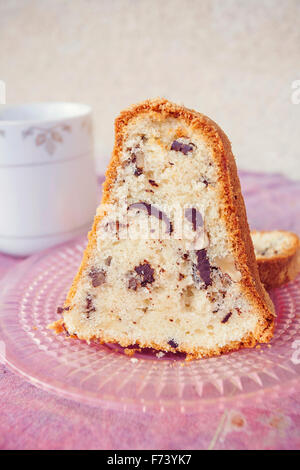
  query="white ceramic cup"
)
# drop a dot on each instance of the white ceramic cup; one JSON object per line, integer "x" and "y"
{"x": 48, "y": 187}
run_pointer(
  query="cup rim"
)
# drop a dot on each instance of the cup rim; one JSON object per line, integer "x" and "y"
{"x": 80, "y": 110}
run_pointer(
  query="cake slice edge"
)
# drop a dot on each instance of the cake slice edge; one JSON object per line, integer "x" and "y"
{"x": 276, "y": 269}
{"x": 235, "y": 217}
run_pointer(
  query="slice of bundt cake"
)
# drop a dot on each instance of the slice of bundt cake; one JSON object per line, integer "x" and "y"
{"x": 277, "y": 255}
{"x": 170, "y": 263}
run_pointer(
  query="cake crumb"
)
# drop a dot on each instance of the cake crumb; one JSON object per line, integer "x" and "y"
{"x": 160, "y": 354}
{"x": 134, "y": 360}
{"x": 57, "y": 327}
{"x": 129, "y": 352}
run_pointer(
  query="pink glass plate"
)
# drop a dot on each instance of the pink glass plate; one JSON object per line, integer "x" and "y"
{"x": 103, "y": 374}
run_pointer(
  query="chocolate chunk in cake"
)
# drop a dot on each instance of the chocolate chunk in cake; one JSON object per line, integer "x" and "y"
{"x": 181, "y": 147}
{"x": 226, "y": 318}
{"x": 97, "y": 276}
{"x": 145, "y": 272}
{"x": 173, "y": 343}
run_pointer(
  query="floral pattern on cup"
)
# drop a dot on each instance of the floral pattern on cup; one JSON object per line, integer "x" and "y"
{"x": 48, "y": 138}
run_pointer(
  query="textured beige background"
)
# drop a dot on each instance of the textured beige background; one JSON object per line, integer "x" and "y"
{"x": 234, "y": 60}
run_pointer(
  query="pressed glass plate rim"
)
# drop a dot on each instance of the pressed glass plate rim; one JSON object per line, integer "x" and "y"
{"x": 10, "y": 301}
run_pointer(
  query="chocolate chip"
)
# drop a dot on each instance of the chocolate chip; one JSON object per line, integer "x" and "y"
{"x": 176, "y": 146}
{"x": 202, "y": 268}
{"x": 98, "y": 277}
{"x": 89, "y": 306}
{"x": 137, "y": 158}
{"x": 89, "y": 303}
{"x": 138, "y": 171}
{"x": 180, "y": 276}
{"x": 226, "y": 318}
{"x": 181, "y": 147}
{"x": 60, "y": 310}
{"x": 152, "y": 210}
{"x": 145, "y": 272}
{"x": 173, "y": 343}
{"x": 153, "y": 183}
{"x": 205, "y": 182}
{"x": 194, "y": 216}
{"x": 133, "y": 283}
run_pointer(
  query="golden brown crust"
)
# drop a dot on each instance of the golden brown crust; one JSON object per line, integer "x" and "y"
{"x": 279, "y": 269}
{"x": 233, "y": 213}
